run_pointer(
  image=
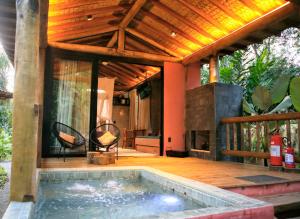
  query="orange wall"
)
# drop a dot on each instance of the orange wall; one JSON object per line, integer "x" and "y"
{"x": 174, "y": 105}
{"x": 193, "y": 76}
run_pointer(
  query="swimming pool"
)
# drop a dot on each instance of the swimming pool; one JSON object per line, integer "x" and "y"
{"x": 136, "y": 192}
{"x": 129, "y": 196}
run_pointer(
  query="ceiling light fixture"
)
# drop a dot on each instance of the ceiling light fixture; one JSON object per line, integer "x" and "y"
{"x": 173, "y": 34}
{"x": 104, "y": 63}
{"x": 90, "y": 17}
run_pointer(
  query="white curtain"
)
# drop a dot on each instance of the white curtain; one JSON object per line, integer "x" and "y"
{"x": 144, "y": 115}
{"x": 105, "y": 99}
{"x": 73, "y": 97}
{"x": 133, "y": 109}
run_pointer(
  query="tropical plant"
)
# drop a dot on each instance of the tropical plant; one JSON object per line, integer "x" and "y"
{"x": 3, "y": 177}
{"x": 295, "y": 92}
{"x": 4, "y": 66}
{"x": 277, "y": 99}
{"x": 5, "y": 145}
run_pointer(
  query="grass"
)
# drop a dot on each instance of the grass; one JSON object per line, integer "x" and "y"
{"x": 3, "y": 177}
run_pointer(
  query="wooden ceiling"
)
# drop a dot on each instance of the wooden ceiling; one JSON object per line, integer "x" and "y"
{"x": 184, "y": 30}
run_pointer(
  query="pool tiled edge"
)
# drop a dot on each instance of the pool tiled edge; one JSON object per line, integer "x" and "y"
{"x": 224, "y": 203}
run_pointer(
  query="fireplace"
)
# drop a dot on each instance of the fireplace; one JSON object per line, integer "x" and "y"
{"x": 205, "y": 107}
{"x": 200, "y": 140}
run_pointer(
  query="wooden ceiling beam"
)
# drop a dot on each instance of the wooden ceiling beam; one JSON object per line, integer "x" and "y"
{"x": 131, "y": 13}
{"x": 88, "y": 38}
{"x": 182, "y": 19}
{"x": 113, "y": 40}
{"x": 84, "y": 13}
{"x": 82, "y": 24}
{"x": 119, "y": 79}
{"x": 121, "y": 39}
{"x": 281, "y": 13}
{"x": 119, "y": 73}
{"x": 171, "y": 27}
{"x": 126, "y": 20}
{"x": 75, "y": 34}
{"x": 7, "y": 9}
{"x": 7, "y": 20}
{"x": 228, "y": 12}
{"x": 74, "y": 4}
{"x": 132, "y": 44}
{"x": 163, "y": 36}
{"x": 113, "y": 52}
{"x": 128, "y": 73}
{"x": 150, "y": 41}
{"x": 131, "y": 68}
{"x": 204, "y": 16}
{"x": 251, "y": 5}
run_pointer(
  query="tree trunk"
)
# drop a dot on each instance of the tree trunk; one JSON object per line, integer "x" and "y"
{"x": 25, "y": 113}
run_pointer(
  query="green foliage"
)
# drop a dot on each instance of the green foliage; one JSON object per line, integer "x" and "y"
{"x": 5, "y": 145}
{"x": 295, "y": 92}
{"x": 280, "y": 88}
{"x": 6, "y": 116}
{"x": 4, "y": 66}
{"x": 283, "y": 106}
{"x": 3, "y": 177}
{"x": 248, "y": 108}
{"x": 261, "y": 98}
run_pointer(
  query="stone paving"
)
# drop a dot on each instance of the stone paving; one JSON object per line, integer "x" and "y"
{"x": 4, "y": 193}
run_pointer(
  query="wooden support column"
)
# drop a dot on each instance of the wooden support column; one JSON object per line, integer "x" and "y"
{"x": 25, "y": 111}
{"x": 121, "y": 39}
{"x": 214, "y": 75}
{"x": 40, "y": 85}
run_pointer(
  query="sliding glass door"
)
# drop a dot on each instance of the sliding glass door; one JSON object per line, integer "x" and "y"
{"x": 69, "y": 91}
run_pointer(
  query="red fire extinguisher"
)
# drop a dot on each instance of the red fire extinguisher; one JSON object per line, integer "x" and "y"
{"x": 276, "y": 149}
{"x": 289, "y": 157}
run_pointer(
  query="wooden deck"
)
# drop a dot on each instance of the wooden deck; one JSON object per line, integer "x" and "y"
{"x": 221, "y": 174}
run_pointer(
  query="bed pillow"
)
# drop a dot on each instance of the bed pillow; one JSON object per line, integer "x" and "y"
{"x": 66, "y": 137}
{"x": 107, "y": 138}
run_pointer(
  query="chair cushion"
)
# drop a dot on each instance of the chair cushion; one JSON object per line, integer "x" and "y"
{"x": 107, "y": 138}
{"x": 66, "y": 137}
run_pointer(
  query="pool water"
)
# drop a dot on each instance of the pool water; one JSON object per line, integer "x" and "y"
{"x": 107, "y": 197}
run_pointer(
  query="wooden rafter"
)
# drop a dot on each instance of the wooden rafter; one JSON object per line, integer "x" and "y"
{"x": 119, "y": 73}
{"x": 113, "y": 52}
{"x": 163, "y": 36}
{"x": 74, "y": 4}
{"x": 120, "y": 68}
{"x": 82, "y": 24}
{"x": 171, "y": 27}
{"x": 190, "y": 24}
{"x": 275, "y": 16}
{"x": 126, "y": 20}
{"x": 113, "y": 40}
{"x": 75, "y": 34}
{"x": 88, "y": 38}
{"x": 204, "y": 16}
{"x": 121, "y": 39}
{"x": 230, "y": 13}
{"x": 133, "y": 44}
{"x": 252, "y": 6}
{"x": 84, "y": 13}
{"x": 152, "y": 42}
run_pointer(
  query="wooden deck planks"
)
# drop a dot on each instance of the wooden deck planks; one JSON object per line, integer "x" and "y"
{"x": 217, "y": 173}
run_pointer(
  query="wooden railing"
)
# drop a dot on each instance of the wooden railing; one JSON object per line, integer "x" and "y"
{"x": 249, "y": 136}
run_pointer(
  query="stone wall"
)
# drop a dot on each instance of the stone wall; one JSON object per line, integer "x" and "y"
{"x": 205, "y": 106}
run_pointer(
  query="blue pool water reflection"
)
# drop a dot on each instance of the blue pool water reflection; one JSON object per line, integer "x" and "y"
{"x": 121, "y": 197}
